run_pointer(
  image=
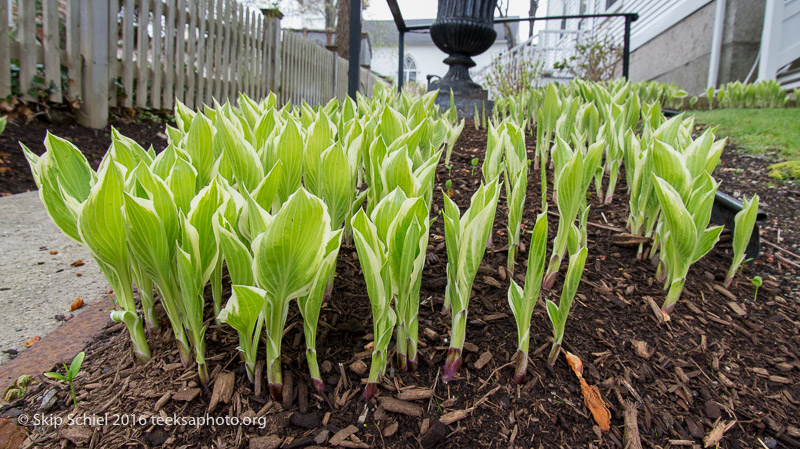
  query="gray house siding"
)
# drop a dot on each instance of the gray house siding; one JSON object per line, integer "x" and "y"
{"x": 672, "y": 39}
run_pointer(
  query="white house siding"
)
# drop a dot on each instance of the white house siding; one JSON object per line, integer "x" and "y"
{"x": 655, "y": 17}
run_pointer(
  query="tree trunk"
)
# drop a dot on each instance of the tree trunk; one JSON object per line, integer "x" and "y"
{"x": 330, "y": 14}
{"x": 532, "y": 13}
{"x": 511, "y": 40}
{"x": 343, "y": 28}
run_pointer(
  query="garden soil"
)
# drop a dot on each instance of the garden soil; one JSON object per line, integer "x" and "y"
{"x": 725, "y": 370}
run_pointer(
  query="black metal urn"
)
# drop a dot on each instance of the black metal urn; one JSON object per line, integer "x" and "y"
{"x": 463, "y": 28}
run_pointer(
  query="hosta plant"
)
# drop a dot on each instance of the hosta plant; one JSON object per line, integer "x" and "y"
{"x": 574, "y": 171}
{"x": 516, "y": 185}
{"x": 391, "y": 245}
{"x": 522, "y": 301}
{"x": 744, "y": 223}
{"x": 465, "y": 238}
{"x": 685, "y": 236}
{"x": 87, "y": 206}
{"x": 287, "y": 257}
{"x": 558, "y": 313}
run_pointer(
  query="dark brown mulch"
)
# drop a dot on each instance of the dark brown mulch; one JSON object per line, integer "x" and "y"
{"x": 15, "y": 174}
{"x": 723, "y": 360}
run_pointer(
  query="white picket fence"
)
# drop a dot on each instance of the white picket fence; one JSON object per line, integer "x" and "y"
{"x": 147, "y": 53}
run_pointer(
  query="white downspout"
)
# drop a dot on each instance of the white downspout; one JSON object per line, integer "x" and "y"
{"x": 716, "y": 43}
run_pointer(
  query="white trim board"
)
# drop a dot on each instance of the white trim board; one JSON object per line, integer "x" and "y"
{"x": 679, "y": 11}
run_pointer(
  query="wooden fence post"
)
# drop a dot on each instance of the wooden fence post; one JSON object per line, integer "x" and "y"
{"x": 5, "y": 55}
{"x": 272, "y": 37}
{"x": 94, "y": 36}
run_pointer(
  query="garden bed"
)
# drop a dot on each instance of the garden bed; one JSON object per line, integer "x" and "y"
{"x": 724, "y": 362}
{"x": 15, "y": 174}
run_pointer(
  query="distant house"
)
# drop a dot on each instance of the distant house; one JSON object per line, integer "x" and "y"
{"x": 693, "y": 43}
{"x": 326, "y": 38}
{"x": 421, "y": 57}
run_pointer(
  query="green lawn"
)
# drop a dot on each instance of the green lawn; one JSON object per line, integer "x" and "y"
{"x": 758, "y": 130}
{"x": 761, "y": 131}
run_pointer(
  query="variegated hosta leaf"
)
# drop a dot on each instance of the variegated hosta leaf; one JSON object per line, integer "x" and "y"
{"x": 289, "y": 150}
{"x": 237, "y": 255}
{"x": 62, "y": 208}
{"x": 239, "y": 154}
{"x": 203, "y": 207}
{"x": 373, "y": 259}
{"x": 288, "y": 253}
{"x": 243, "y": 309}
{"x": 678, "y": 221}
{"x": 199, "y": 146}
{"x": 558, "y": 313}
{"x": 670, "y": 165}
{"x": 181, "y": 180}
{"x": 320, "y": 137}
{"x": 337, "y": 187}
{"x": 100, "y": 222}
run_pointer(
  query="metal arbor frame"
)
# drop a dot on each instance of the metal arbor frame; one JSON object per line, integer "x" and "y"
{"x": 402, "y": 28}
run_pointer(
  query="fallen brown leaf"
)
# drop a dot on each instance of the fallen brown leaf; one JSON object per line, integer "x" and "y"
{"x": 77, "y": 304}
{"x": 591, "y": 394}
{"x": 77, "y": 263}
{"x": 720, "y": 427}
{"x": 54, "y": 252}
{"x": 32, "y": 341}
{"x": 642, "y": 349}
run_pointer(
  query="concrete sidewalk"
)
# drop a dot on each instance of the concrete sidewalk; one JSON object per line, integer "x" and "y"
{"x": 36, "y": 285}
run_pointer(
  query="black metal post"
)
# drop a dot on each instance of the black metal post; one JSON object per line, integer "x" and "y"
{"x": 355, "y": 48}
{"x": 400, "y": 60}
{"x": 626, "y": 47}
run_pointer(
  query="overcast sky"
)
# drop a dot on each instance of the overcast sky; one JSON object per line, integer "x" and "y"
{"x": 426, "y": 9}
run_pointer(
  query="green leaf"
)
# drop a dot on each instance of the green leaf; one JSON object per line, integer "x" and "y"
{"x": 243, "y": 309}
{"x": 100, "y": 222}
{"x": 200, "y": 147}
{"x": 288, "y": 253}
{"x": 75, "y": 366}
{"x": 56, "y": 376}
{"x": 75, "y": 176}
{"x": 239, "y": 154}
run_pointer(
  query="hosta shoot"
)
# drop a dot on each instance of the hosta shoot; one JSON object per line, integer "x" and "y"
{"x": 311, "y": 304}
{"x": 516, "y": 185}
{"x": 287, "y": 257}
{"x": 574, "y": 172}
{"x": 396, "y": 235}
{"x": 558, "y": 313}
{"x": 523, "y": 301}
{"x": 101, "y": 227}
{"x": 245, "y": 313}
{"x": 685, "y": 238}
{"x": 465, "y": 238}
{"x": 152, "y": 227}
{"x": 744, "y": 223}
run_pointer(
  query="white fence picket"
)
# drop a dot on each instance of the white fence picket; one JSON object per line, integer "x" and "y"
{"x": 149, "y": 53}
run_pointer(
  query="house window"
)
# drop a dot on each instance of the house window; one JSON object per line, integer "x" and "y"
{"x": 409, "y": 69}
{"x": 613, "y": 4}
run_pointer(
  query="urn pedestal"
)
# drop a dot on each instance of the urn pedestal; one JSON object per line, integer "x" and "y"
{"x": 463, "y": 29}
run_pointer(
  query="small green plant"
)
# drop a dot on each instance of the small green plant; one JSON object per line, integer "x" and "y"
{"x": 756, "y": 281}
{"x": 70, "y": 373}
{"x": 474, "y": 164}
{"x": 596, "y": 58}
{"x": 744, "y": 221}
{"x": 449, "y": 186}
